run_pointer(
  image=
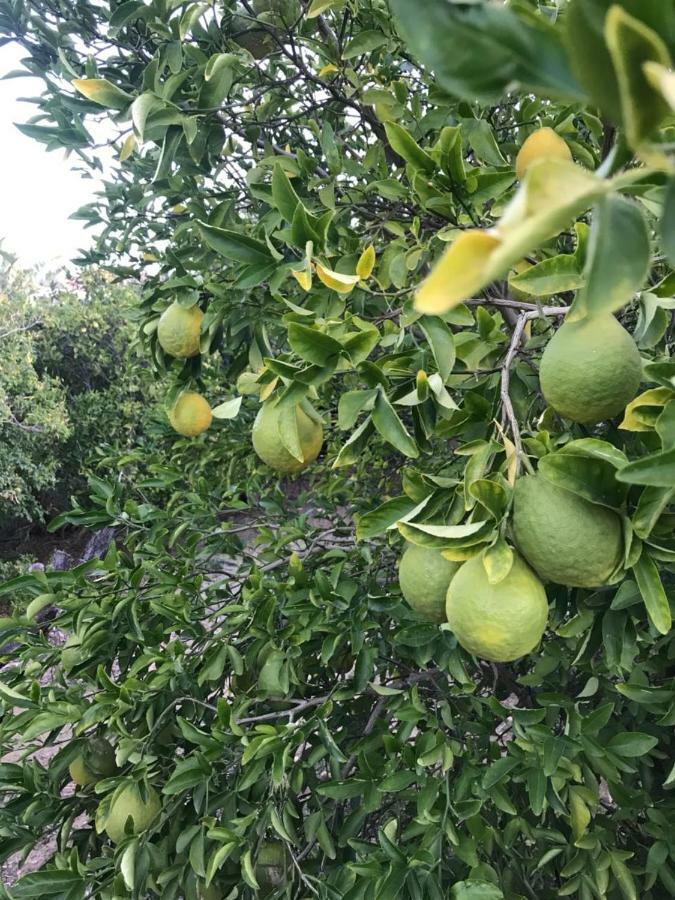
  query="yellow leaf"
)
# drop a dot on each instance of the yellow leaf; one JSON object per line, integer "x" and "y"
{"x": 102, "y": 92}
{"x": 459, "y": 273}
{"x": 461, "y": 555}
{"x": 304, "y": 278}
{"x": 330, "y": 69}
{"x": 336, "y": 281}
{"x": 321, "y": 6}
{"x": 366, "y": 263}
{"x": 654, "y": 397}
{"x": 128, "y": 148}
{"x": 662, "y": 79}
{"x": 179, "y": 208}
{"x": 149, "y": 257}
{"x": 267, "y": 389}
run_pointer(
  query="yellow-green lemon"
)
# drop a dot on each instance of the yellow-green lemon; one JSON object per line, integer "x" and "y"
{"x": 425, "y": 576}
{"x": 590, "y": 370}
{"x": 564, "y": 537}
{"x": 268, "y": 445}
{"x": 500, "y": 622}
{"x": 179, "y": 330}
{"x": 130, "y": 803}
{"x": 95, "y": 762}
{"x": 191, "y": 414}
{"x": 544, "y": 143}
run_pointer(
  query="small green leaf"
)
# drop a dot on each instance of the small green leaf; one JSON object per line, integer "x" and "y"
{"x": 234, "y": 245}
{"x": 631, "y": 744}
{"x": 391, "y": 428}
{"x": 618, "y": 258}
{"x": 364, "y": 42}
{"x": 653, "y": 593}
{"x": 657, "y": 470}
{"x": 313, "y": 345}
{"x": 552, "y": 276}
{"x": 227, "y": 410}
{"x": 283, "y": 193}
{"x": 442, "y": 344}
{"x": 407, "y": 147}
{"x": 103, "y": 92}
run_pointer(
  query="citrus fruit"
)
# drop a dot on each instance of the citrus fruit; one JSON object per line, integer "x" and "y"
{"x": 130, "y": 803}
{"x": 179, "y": 330}
{"x": 543, "y": 143}
{"x": 269, "y": 447}
{"x": 499, "y": 622}
{"x": 97, "y": 761}
{"x": 590, "y": 370}
{"x": 270, "y": 866}
{"x": 190, "y": 415}
{"x": 564, "y": 537}
{"x": 424, "y": 576}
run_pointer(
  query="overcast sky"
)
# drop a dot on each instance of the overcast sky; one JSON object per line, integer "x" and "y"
{"x": 39, "y": 190}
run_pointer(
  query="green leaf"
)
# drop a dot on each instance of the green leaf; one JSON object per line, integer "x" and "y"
{"x": 552, "y": 276}
{"x": 591, "y": 478}
{"x": 405, "y": 145}
{"x": 623, "y": 877}
{"x": 653, "y": 593}
{"x": 364, "y": 42}
{"x": 187, "y": 774}
{"x": 580, "y": 815}
{"x": 234, "y": 245}
{"x": 247, "y": 872}
{"x": 283, "y": 193}
{"x": 631, "y": 44}
{"x": 651, "y": 505}
{"x": 499, "y": 770}
{"x": 312, "y": 345}
{"x": 497, "y": 561}
{"x": 475, "y": 890}
{"x": 391, "y": 428}
{"x": 46, "y": 882}
{"x": 342, "y": 790}
{"x": 631, "y": 744}
{"x": 478, "y": 52}
{"x": 442, "y": 344}
{"x": 657, "y": 470}
{"x": 386, "y": 515}
{"x": 618, "y": 258}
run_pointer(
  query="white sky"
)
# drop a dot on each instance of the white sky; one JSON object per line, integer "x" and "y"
{"x": 39, "y": 188}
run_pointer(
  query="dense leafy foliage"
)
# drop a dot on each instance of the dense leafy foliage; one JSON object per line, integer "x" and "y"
{"x": 69, "y": 383}
{"x": 333, "y": 183}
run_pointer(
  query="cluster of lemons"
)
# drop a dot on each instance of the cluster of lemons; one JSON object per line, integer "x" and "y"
{"x": 179, "y": 334}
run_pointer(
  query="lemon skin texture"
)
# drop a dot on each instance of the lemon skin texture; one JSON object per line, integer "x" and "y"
{"x": 179, "y": 330}
{"x": 80, "y": 773}
{"x": 130, "y": 803}
{"x": 499, "y": 622}
{"x": 544, "y": 143}
{"x": 425, "y": 576}
{"x": 590, "y": 370}
{"x": 191, "y": 415}
{"x": 565, "y": 538}
{"x": 267, "y": 440}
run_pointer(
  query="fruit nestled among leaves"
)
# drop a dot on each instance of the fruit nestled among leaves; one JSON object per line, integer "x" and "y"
{"x": 269, "y": 446}
{"x": 179, "y": 330}
{"x": 425, "y": 576}
{"x": 190, "y": 415}
{"x": 590, "y": 370}
{"x": 500, "y": 622}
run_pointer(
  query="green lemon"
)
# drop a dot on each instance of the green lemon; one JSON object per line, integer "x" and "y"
{"x": 590, "y": 370}
{"x": 500, "y": 622}
{"x": 424, "y": 576}
{"x": 269, "y": 447}
{"x": 563, "y": 537}
{"x": 130, "y": 803}
{"x": 95, "y": 762}
{"x": 179, "y": 330}
{"x": 191, "y": 414}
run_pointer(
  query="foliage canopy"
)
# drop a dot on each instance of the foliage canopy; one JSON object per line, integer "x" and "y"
{"x": 333, "y": 184}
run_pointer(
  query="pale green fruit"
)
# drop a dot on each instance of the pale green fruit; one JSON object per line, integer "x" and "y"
{"x": 500, "y": 622}
{"x": 424, "y": 576}
{"x": 267, "y": 440}
{"x": 191, "y": 414}
{"x": 563, "y": 537}
{"x": 179, "y": 330}
{"x": 129, "y": 802}
{"x": 590, "y": 370}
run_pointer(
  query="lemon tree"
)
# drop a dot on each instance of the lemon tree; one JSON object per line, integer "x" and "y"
{"x": 415, "y": 259}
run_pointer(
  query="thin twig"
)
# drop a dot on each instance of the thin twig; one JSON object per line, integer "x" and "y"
{"x": 22, "y": 328}
{"x": 300, "y": 706}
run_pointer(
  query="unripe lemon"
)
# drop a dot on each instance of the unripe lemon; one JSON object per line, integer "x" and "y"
{"x": 269, "y": 447}
{"x": 564, "y": 537}
{"x": 425, "y": 576}
{"x": 130, "y": 803}
{"x": 500, "y": 622}
{"x": 179, "y": 330}
{"x": 590, "y": 370}
{"x": 190, "y": 415}
{"x": 541, "y": 144}
{"x": 96, "y": 762}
